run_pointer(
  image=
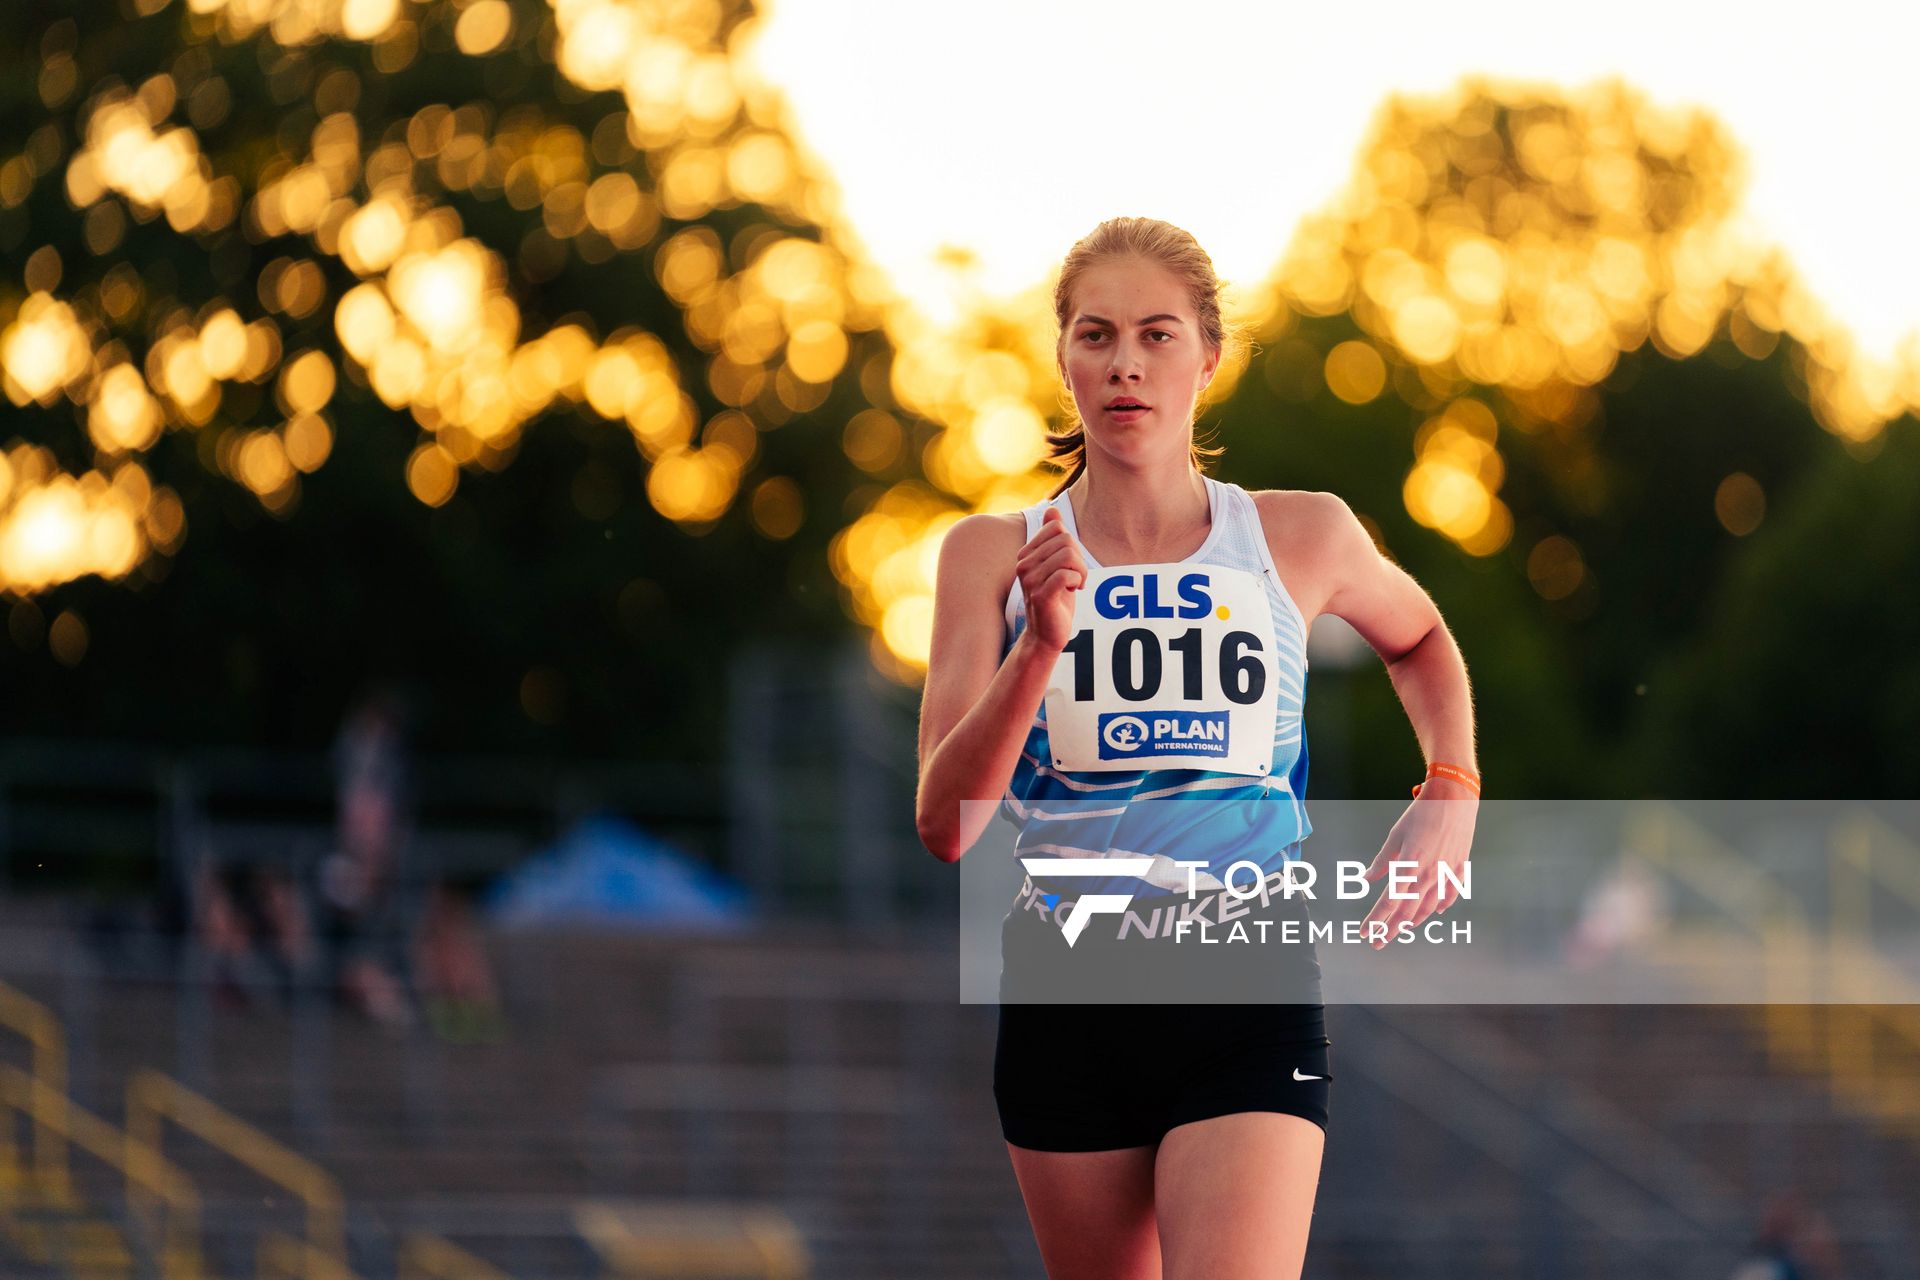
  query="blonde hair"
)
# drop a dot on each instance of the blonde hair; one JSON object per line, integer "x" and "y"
{"x": 1164, "y": 245}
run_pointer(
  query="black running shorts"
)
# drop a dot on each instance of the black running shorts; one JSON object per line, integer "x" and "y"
{"x": 1071, "y": 1076}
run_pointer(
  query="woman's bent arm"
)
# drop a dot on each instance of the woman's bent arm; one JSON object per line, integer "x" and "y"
{"x": 976, "y": 759}
{"x": 976, "y": 709}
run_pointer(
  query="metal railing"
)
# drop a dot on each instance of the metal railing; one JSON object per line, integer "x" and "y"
{"x": 175, "y": 1240}
{"x": 677, "y": 1240}
{"x": 153, "y": 1098}
{"x": 34, "y": 1022}
{"x": 425, "y": 1256}
{"x": 284, "y": 1257}
{"x": 1829, "y": 1002}
{"x": 1867, "y": 856}
{"x": 1664, "y": 839}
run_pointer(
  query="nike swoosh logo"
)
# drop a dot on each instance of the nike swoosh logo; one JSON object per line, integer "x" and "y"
{"x": 1298, "y": 1076}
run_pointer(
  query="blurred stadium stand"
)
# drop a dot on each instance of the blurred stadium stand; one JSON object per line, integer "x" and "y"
{"x": 824, "y": 1105}
{"x": 807, "y": 1098}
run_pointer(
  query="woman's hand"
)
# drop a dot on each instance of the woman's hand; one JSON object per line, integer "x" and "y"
{"x": 1436, "y": 830}
{"x": 1051, "y": 570}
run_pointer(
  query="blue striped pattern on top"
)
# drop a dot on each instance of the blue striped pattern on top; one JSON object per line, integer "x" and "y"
{"x": 1063, "y": 813}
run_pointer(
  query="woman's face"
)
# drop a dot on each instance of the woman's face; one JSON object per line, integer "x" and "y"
{"x": 1132, "y": 335}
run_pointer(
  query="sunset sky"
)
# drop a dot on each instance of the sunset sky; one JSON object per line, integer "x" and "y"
{"x": 1010, "y": 128}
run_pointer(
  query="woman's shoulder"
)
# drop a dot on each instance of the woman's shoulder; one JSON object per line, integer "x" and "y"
{"x": 985, "y": 542}
{"x": 1313, "y": 536}
{"x": 1300, "y": 512}
{"x": 987, "y": 531}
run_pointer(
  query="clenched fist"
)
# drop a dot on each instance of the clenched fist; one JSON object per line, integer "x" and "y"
{"x": 1051, "y": 569}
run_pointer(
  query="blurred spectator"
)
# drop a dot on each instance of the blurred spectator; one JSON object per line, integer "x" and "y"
{"x": 365, "y": 902}
{"x": 254, "y": 929}
{"x": 462, "y": 1006}
{"x": 1624, "y": 907}
{"x": 398, "y": 944}
{"x": 1793, "y": 1243}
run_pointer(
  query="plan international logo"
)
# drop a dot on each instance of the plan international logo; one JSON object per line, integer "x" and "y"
{"x": 1127, "y": 734}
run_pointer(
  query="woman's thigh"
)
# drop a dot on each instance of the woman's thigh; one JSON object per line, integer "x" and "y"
{"x": 1235, "y": 1196}
{"x": 1092, "y": 1211}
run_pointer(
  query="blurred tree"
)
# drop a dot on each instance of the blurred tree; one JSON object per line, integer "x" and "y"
{"x": 509, "y": 348}
{"x": 1526, "y": 349}
{"x": 1559, "y": 659}
{"x": 414, "y": 340}
{"x": 1802, "y": 683}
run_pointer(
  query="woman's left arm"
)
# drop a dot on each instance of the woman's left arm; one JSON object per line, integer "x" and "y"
{"x": 1381, "y": 601}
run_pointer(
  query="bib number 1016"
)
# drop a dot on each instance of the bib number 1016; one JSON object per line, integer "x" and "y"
{"x": 1138, "y": 665}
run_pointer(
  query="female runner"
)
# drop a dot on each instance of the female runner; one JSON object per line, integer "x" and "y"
{"x": 1179, "y": 1140}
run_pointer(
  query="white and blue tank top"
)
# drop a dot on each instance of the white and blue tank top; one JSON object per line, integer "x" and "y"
{"x": 1257, "y": 814}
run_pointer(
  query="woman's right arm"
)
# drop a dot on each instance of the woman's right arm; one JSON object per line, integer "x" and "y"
{"x": 976, "y": 709}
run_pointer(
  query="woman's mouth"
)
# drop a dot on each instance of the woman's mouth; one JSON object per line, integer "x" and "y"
{"x": 1127, "y": 412}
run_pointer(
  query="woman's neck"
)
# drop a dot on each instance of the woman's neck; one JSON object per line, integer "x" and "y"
{"x": 1140, "y": 519}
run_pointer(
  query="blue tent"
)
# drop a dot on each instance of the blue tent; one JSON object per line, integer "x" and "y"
{"x": 606, "y": 871}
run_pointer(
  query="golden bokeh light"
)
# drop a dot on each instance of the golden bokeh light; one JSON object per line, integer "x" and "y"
{"x": 364, "y": 322}
{"x": 223, "y": 344}
{"x": 440, "y": 293}
{"x": 873, "y": 440}
{"x": 67, "y": 638}
{"x": 1008, "y": 437}
{"x": 1513, "y": 240}
{"x": 373, "y": 235}
{"x": 367, "y": 19}
{"x": 156, "y": 171}
{"x": 42, "y": 272}
{"x": 296, "y": 22}
{"x": 261, "y": 464}
{"x": 123, "y": 416}
{"x": 777, "y": 508}
{"x": 1739, "y": 503}
{"x": 1555, "y": 568}
{"x": 432, "y": 474}
{"x": 734, "y": 432}
{"x": 306, "y": 383}
{"x": 43, "y": 350}
{"x": 907, "y": 627}
{"x": 56, "y": 527}
{"x": 1355, "y": 372}
{"x": 1456, "y": 475}
{"x": 483, "y": 27}
{"x": 817, "y": 351}
{"x": 693, "y": 486}
{"x": 308, "y": 439}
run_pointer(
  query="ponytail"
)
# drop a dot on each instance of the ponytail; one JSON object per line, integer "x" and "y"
{"x": 1079, "y": 465}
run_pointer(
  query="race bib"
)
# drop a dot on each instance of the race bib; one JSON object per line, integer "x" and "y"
{"x": 1171, "y": 666}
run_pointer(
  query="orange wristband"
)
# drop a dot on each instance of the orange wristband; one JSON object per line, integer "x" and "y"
{"x": 1453, "y": 773}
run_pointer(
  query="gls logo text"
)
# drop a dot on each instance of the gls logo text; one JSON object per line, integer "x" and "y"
{"x": 1127, "y": 596}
